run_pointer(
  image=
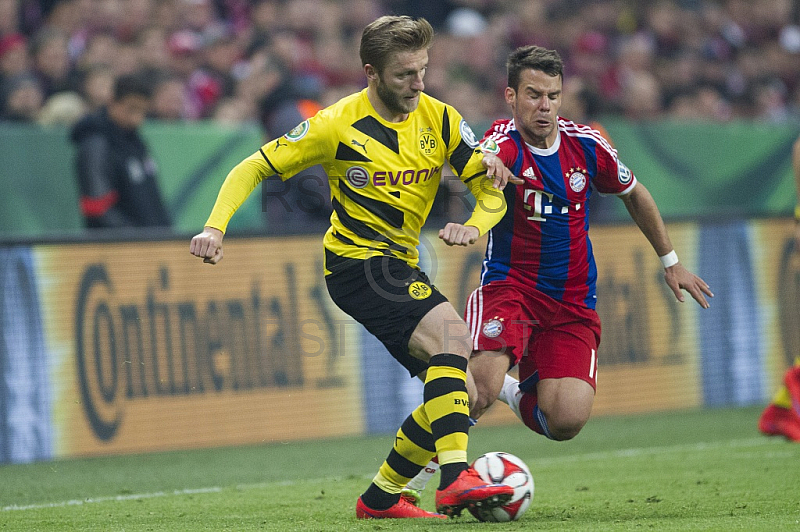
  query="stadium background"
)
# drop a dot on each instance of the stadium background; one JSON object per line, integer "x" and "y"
{"x": 116, "y": 342}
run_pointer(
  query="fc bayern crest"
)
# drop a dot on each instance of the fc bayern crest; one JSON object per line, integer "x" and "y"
{"x": 577, "y": 179}
{"x": 357, "y": 176}
{"x": 492, "y": 328}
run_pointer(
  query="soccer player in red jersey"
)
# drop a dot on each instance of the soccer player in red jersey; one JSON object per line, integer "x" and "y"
{"x": 536, "y": 303}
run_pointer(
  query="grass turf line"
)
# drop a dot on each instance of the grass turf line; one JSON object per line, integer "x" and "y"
{"x": 699, "y": 470}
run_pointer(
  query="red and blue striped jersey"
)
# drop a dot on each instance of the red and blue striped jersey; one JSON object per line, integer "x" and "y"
{"x": 543, "y": 239}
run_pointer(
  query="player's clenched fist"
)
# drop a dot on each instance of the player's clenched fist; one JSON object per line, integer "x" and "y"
{"x": 207, "y": 245}
{"x": 459, "y": 235}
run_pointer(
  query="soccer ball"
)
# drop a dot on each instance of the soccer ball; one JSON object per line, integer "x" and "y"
{"x": 505, "y": 468}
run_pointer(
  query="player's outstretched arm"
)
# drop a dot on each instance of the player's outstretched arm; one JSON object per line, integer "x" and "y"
{"x": 207, "y": 245}
{"x": 498, "y": 173}
{"x": 240, "y": 182}
{"x": 490, "y": 207}
{"x": 490, "y": 204}
{"x": 644, "y": 211}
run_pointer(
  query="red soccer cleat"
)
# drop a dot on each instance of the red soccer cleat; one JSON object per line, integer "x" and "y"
{"x": 402, "y": 510}
{"x": 792, "y": 382}
{"x": 777, "y": 421}
{"x": 469, "y": 490}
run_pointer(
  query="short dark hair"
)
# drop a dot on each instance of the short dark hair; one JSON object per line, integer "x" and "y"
{"x": 128, "y": 84}
{"x": 535, "y": 58}
{"x": 390, "y": 34}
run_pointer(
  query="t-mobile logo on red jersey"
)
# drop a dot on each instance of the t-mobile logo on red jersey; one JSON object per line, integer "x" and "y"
{"x": 541, "y": 203}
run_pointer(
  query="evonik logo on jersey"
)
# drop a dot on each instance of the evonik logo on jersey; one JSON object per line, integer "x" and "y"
{"x": 358, "y": 176}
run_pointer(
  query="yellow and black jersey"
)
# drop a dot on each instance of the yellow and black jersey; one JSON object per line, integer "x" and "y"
{"x": 383, "y": 175}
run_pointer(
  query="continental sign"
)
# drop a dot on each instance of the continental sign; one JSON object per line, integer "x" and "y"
{"x": 137, "y": 346}
{"x": 158, "y": 350}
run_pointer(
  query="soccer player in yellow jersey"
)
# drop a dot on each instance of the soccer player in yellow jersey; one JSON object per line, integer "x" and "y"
{"x": 384, "y": 149}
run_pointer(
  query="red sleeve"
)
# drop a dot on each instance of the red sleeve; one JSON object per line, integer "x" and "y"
{"x": 612, "y": 177}
{"x": 497, "y": 142}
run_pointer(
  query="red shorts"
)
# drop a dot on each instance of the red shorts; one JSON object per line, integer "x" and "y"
{"x": 549, "y": 339}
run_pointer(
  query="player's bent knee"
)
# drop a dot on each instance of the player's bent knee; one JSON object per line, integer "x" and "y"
{"x": 566, "y": 427}
{"x": 564, "y": 433}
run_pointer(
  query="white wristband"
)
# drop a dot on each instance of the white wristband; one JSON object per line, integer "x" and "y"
{"x": 670, "y": 259}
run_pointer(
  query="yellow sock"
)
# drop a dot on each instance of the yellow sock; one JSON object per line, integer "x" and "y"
{"x": 413, "y": 449}
{"x": 447, "y": 406}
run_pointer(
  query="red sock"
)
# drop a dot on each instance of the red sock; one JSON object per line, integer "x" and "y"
{"x": 527, "y": 404}
{"x": 532, "y": 416}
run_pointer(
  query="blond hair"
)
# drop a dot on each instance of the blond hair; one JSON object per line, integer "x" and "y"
{"x": 391, "y": 34}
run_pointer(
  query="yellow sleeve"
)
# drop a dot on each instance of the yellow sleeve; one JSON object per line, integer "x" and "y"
{"x": 465, "y": 157}
{"x": 311, "y": 142}
{"x": 241, "y": 181}
{"x": 490, "y": 204}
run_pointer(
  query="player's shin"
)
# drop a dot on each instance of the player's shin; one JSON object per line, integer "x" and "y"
{"x": 447, "y": 409}
{"x": 511, "y": 395}
{"x": 419, "y": 482}
{"x": 413, "y": 448}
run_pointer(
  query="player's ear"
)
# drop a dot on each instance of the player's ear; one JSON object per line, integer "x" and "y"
{"x": 511, "y": 96}
{"x": 371, "y": 72}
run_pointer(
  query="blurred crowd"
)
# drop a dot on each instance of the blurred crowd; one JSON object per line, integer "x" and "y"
{"x": 234, "y": 61}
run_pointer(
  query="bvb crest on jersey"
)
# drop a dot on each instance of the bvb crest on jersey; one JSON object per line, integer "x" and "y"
{"x": 419, "y": 290}
{"x": 427, "y": 142}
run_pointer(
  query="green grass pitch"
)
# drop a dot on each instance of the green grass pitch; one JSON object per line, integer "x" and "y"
{"x": 692, "y": 470}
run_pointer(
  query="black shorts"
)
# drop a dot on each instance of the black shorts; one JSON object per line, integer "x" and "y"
{"x": 388, "y": 297}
